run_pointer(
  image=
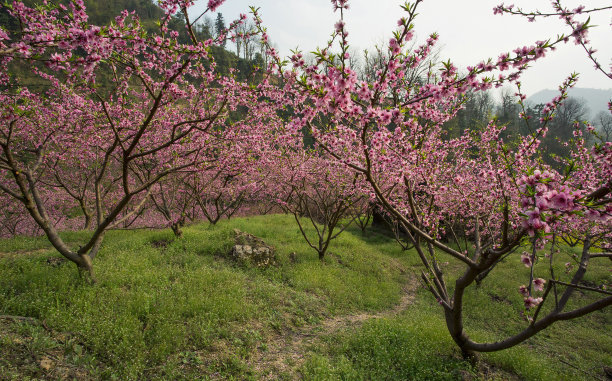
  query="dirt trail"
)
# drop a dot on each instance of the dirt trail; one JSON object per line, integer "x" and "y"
{"x": 286, "y": 351}
{"x": 16, "y": 253}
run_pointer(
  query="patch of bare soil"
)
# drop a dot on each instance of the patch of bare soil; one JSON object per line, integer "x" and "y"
{"x": 37, "y": 353}
{"x": 13, "y": 254}
{"x": 286, "y": 351}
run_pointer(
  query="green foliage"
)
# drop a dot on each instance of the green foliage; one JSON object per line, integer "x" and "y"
{"x": 157, "y": 297}
{"x": 390, "y": 349}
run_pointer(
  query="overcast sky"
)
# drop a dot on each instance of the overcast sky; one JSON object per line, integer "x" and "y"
{"x": 469, "y": 32}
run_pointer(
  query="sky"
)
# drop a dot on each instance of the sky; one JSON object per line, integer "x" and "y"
{"x": 468, "y": 30}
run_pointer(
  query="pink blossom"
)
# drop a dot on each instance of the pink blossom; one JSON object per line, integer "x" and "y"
{"x": 561, "y": 200}
{"x": 541, "y": 203}
{"x": 214, "y": 4}
{"x": 531, "y": 302}
{"x": 526, "y": 259}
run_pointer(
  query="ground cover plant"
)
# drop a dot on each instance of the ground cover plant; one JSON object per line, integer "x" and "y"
{"x": 135, "y": 128}
{"x": 181, "y": 308}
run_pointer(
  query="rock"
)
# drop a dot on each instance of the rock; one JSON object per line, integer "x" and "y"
{"x": 251, "y": 250}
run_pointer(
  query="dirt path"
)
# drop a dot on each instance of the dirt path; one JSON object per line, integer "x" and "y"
{"x": 286, "y": 351}
{"x": 16, "y": 253}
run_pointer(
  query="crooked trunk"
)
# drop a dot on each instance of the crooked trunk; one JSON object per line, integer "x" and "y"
{"x": 455, "y": 328}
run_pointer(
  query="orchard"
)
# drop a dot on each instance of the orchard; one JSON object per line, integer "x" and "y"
{"x": 124, "y": 126}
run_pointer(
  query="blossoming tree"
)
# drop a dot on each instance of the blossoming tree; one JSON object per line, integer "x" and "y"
{"x": 153, "y": 119}
{"x": 489, "y": 195}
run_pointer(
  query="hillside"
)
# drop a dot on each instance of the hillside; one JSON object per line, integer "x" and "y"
{"x": 103, "y": 12}
{"x": 596, "y": 99}
{"x": 168, "y": 308}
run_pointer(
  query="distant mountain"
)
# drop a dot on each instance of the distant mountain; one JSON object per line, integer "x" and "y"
{"x": 596, "y": 99}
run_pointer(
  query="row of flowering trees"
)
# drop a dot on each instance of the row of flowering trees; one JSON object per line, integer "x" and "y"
{"x": 488, "y": 195}
{"x": 167, "y": 139}
{"x": 163, "y": 111}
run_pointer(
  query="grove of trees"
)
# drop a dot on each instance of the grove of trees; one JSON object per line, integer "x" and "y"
{"x": 126, "y": 124}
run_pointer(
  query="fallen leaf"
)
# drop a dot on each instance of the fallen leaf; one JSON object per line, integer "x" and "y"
{"x": 46, "y": 363}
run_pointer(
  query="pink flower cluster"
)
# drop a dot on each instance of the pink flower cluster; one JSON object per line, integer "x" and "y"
{"x": 529, "y": 300}
{"x": 340, "y": 4}
{"x": 544, "y": 200}
{"x": 214, "y": 4}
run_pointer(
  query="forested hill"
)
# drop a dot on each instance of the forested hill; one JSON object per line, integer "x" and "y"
{"x": 99, "y": 12}
{"x": 102, "y": 12}
{"x": 596, "y": 99}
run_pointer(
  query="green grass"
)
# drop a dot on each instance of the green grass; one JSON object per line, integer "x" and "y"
{"x": 183, "y": 310}
{"x": 389, "y": 349}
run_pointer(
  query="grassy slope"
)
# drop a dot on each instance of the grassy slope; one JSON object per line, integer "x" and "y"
{"x": 183, "y": 311}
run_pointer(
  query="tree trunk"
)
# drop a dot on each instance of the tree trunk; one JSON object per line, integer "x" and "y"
{"x": 87, "y": 225}
{"x": 85, "y": 267}
{"x": 176, "y": 229}
{"x": 88, "y": 215}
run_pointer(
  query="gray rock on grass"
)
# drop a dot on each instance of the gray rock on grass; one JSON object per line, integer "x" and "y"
{"x": 252, "y": 250}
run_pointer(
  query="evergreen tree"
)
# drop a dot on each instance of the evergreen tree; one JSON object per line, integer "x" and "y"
{"x": 220, "y": 26}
